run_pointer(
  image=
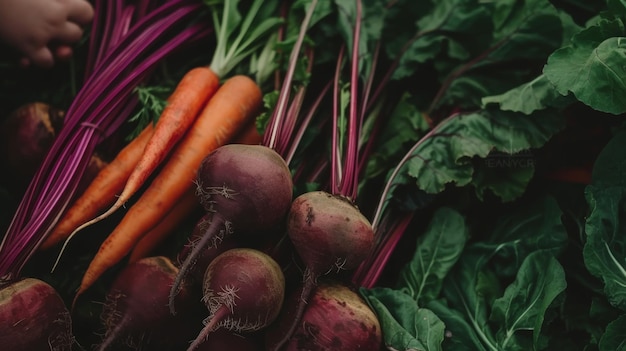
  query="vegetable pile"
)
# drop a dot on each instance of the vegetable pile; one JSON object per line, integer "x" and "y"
{"x": 320, "y": 175}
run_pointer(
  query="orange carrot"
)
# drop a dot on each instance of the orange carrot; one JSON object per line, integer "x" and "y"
{"x": 184, "y": 208}
{"x": 249, "y": 135}
{"x": 187, "y": 206}
{"x": 183, "y": 105}
{"x": 101, "y": 191}
{"x": 234, "y": 104}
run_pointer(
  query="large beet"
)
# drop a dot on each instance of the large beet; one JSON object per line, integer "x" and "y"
{"x": 250, "y": 185}
{"x": 34, "y": 317}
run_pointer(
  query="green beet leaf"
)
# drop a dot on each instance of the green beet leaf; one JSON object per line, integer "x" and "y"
{"x": 474, "y": 291}
{"x": 406, "y": 327}
{"x": 437, "y": 251}
{"x": 536, "y": 226}
{"x": 525, "y": 33}
{"x": 539, "y": 281}
{"x": 444, "y": 30}
{"x": 605, "y": 249}
{"x": 538, "y": 94}
{"x": 614, "y": 337}
{"x": 591, "y": 67}
{"x": 461, "y": 334}
{"x": 446, "y": 155}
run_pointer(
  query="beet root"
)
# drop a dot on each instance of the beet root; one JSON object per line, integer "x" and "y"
{"x": 243, "y": 291}
{"x": 136, "y": 312}
{"x": 34, "y": 317}
{"x": 335, "y": 319}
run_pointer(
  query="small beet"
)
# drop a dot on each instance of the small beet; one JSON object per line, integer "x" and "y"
{"x": 34, "y": 317}
{"x": 26, "y": 135}
{"x": 243, "y": 291}
{"x": 136, "y": 312}
{"x": 329, "y": 232}
{"x": 335, "y": 319}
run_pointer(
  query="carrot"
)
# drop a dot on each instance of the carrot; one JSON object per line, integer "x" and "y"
{"x": 249, "y": 135}
{"x": 101, "y": 190}
{"x": 184, "y": 208}
{"x": 183, "y": 105}
{"x": 234, "y": 104}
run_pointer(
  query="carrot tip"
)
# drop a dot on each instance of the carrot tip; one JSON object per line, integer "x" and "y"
{"x": 79, "y": 292}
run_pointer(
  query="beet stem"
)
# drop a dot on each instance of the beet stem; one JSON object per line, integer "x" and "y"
{"x": 213, "y": 229}
{"x": 209, "y": 327}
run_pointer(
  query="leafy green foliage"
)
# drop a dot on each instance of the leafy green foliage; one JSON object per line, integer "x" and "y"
{"x": 522, "y": 307}
{"x": 152, "y": 101}
{"x": 605, "y": 248}
{"x": 445, "y": 155}
{"x": 538, "y": 94}
{"x": 591, "y": 66}
{"x": 239, "y": 36}
{"x": 614, "y": 336}
{"x": 437, "y": 251}
{"x": 488, "y": 293}
{"x": 405, "y": 325}
{"x": 405, "y": 124}
{"x": 498, "y": 315}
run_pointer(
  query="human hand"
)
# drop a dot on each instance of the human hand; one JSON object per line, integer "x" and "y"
{"x": 43, "y": 31}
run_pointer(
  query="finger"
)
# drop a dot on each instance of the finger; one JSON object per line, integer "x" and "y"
{"x": 42, "y": 58}
{"x": 69, "y": 33}
{"x": 63, "y": 52}
{"x": 80, "y": 11}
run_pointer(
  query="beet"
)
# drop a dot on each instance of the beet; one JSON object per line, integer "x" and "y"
{"x": 136, "y": 312}
{"x": 34, "y": 317}
{"x": 329, "y": 232}
{"x": 245, "y": 189}
{"x": 335, "y": 319}
{"x": 26, "y": 135}
{"x": 243, "y": 291}
{"x": 248, "y": 185}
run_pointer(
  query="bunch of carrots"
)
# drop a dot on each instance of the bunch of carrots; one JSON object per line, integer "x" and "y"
{"x": 201, "y": 115}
